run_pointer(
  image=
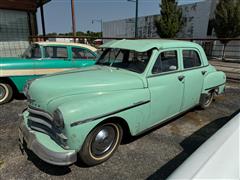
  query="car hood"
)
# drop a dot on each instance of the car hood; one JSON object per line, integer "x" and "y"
{"x": 95, "y": 79}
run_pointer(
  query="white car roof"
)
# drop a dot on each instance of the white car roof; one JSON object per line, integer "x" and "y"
{"x": 217, "y": 158}
{"x": 67, "y": 44}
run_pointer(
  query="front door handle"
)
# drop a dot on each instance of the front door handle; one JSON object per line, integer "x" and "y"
{"x": 180, "y": 78}
{"x": 204, "y": 72}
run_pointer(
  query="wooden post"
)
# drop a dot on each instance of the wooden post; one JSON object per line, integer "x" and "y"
{"x": 73, "y": 20}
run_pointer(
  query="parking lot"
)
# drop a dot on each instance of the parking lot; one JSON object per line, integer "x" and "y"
{"x": 153, "y": 155}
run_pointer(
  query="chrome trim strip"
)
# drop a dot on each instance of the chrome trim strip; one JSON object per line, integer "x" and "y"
{"x": 40, "y": 121}
{"x": 40, "y": 112}
{"x": 109, "y": 114}
{"x": 215, "y": 86}
{"x": 28, "y": 72}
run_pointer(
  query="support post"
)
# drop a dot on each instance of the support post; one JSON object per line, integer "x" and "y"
{"x": 73, "y": 20}
{"x": 43, "y": 21}
{"x": 136, "y": 20}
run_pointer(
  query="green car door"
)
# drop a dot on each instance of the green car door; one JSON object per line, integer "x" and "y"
{"x": 193, "y": 72}
{"x": 166, "y": 86}
{"x": 82, "y": 57}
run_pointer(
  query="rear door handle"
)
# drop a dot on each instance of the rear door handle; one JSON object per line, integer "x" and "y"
{"x": 204, "y": 72}
{"x": 180, "y": 78}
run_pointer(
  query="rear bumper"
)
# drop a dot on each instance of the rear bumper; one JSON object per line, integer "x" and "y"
{"x": 40, "y": 147}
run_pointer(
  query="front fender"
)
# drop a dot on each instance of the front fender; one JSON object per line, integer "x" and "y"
{"x": 82, "y": 113}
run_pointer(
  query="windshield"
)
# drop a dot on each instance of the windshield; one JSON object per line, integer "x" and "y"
{"x": 33, "y": 51}
{"x": 125, "y": 59}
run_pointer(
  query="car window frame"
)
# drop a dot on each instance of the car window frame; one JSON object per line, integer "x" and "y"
{"x": 75, "y": 59}
{"x": 61, "y": 46}
{"x": 199, "y": 55}
{"x": 168, "y": 72}
{"x": 147, "y": 66}
{"x": 41, "y": 51}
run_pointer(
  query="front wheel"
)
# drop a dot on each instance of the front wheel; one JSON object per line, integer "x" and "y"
{"x": 6, "y": 93}
{"x": 101, "y": 143}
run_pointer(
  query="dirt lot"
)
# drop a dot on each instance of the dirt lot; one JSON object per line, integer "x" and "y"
{"x": 154, "y": 155}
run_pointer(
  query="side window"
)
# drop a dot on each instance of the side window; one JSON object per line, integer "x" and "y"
{"x": 166, "y": 61}
{"x": 55, "y": 52}
{"x": 191, "y": 59}
{"x": 36, "y": 52}
{"x": 80, "y": 53}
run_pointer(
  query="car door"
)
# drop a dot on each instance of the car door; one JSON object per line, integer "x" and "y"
{"x": 193, "y": 72}
{"x": 55, "y": 59}
{"x": 82, "y": 57}
{"x": 165, "y": 86}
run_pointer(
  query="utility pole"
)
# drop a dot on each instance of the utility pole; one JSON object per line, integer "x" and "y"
{"x": 136, "y": 20}
{"x": 136, "y": 17}
{"x": 73, "y": 20}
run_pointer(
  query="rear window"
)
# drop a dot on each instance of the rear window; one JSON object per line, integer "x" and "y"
{"x": 80, "y": 53}
{"x": 55, "y": 52}
{"x": 191, "y": 59}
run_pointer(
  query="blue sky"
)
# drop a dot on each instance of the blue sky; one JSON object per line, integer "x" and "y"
{"x": 58, "y": 13}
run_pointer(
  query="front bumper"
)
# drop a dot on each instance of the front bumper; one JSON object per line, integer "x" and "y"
{"x": 44, "y": 147}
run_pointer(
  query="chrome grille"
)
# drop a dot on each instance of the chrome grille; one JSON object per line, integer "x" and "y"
{"x": 42, "y": 121}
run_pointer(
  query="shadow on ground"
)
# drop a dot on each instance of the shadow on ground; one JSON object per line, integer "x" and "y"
{"x": 189, "y": 145}
{"x": 45, "y": 167}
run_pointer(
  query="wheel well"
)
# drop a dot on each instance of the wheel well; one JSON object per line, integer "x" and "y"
{"x": 122, "y": 122}
{"x": 10, "y": 82}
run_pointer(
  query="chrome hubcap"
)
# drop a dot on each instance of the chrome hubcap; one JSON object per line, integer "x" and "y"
{"x": 208, "y": 98}
{"x": 103, "y": 141}
{"x": 2, "y": 92}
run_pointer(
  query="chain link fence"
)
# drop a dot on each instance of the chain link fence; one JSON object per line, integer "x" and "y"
{"x": 212, "y": 47}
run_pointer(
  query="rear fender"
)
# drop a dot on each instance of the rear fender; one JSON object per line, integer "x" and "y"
{"x": 214, "y": 81}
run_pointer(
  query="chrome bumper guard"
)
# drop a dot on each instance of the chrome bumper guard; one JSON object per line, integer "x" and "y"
{"x": 56, "y": 158}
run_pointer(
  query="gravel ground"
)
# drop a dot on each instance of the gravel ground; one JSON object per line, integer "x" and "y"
{"x": 153, "y": 155}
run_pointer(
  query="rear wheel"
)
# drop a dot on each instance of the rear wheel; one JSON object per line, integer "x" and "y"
{"x": 6, "y": 92}
{"x": 207, "y": 100}
{"x": 101, "y": 143}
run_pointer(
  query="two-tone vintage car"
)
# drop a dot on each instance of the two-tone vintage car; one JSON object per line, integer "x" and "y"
{"x": 134, "y": 86}
{"x": 39, "y": 59}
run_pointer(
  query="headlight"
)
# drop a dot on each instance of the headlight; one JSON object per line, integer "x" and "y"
{"x": 58, "y": 119}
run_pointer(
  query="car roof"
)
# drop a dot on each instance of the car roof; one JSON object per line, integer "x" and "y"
{"x": 145, "y": 45}
{"x": 67, "y": 44}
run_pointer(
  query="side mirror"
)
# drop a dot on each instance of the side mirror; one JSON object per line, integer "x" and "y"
{"x": 172, "y": 68}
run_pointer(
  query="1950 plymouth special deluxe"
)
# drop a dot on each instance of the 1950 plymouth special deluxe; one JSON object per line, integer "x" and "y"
{"x": 39, "y": 59}
{"x": 134, "y": 86}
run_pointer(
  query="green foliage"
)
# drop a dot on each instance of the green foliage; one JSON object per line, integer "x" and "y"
{"x": 227, "y": 19}
{"x": 52, "y": 34}
{"x": 170, "y": 21}
{"x": 79, "y": 33}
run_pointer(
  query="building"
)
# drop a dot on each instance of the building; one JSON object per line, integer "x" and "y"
{"x": 17, "y": 23}
{"x": 196, "y": 17}
{"x": 126, "y": 27}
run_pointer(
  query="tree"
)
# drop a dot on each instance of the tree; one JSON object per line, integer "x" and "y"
{"x": 170, "y": 22}
{"x": 227, "y": 21}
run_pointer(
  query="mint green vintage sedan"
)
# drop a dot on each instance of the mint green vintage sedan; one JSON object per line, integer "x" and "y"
{"x": 134, "y": 86}
{"x": 39, "y": 59}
